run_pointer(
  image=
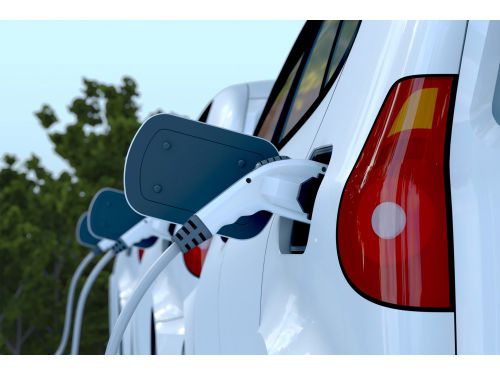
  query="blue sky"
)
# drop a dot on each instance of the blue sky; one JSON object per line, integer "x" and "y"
{"x": 178, "y": 65}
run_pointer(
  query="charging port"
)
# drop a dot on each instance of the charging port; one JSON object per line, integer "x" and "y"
{"x": 294, "y": 234}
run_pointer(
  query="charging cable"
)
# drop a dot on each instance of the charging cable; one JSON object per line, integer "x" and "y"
{"x": 142, "y": 287}
{"x": 69, "y": 302}
{"x": 274, "y": 186}
{"x": 75, "y": 341}
{"x": 143, "y": 230}
{"x": 102, "y": 246}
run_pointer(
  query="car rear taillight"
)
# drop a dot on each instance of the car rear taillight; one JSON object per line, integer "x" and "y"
{"x": 140, "y": 254}
{"x": 195, "y": 258}
{"x": 394, "y": 222}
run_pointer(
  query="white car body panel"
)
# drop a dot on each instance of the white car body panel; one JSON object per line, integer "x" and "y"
{"x": 124, "y": 274}
{"x": 168, "y": 293}
{"x": 204, "y": 338}
{"x": 252, "y": 298}
{"x": 307, "y": 306}
{"x": 475, "y": 190}
{"x": 236, "y": 108}
{"x": 341, "y": 321}
{"x": 113, "y": 303}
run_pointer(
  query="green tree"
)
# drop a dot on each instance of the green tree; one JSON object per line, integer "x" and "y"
{"x": 38, "y": 251}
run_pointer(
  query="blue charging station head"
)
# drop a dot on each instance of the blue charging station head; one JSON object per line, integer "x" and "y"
{"x": 110, "y": 215}
{"x": 175, "y": 166}
{"x": 83, "y": 236}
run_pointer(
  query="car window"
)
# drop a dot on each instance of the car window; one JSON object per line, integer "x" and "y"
{"x": 496, "y": 100}
{"x": 342, "y": 46}
{"x": 312, "y": 77}
{"x": 308, "y": 73}
{"x": 268, "y": 126}
{"x": 204, "y": 116}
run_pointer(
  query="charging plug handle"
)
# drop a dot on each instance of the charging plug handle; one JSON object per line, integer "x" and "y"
{"x": 191, "y": 234}
{"x": 119, "y": 246}
{"x": 277, "y": 185}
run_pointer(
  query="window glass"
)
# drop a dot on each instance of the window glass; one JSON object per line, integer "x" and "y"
{"x": 204, "y": 116}
{"x": 322, "y": 47}
{"x": 346, "y": 36}
{"x": 269, "y": 124}
{"x": 312, "y": 77}
{"x": 496, "y": 100}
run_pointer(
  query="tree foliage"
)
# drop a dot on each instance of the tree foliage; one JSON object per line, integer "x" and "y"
{"x": 38, "y": 250}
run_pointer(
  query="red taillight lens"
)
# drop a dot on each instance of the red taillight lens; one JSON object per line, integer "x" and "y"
{"x": 195, "y": 258}
{"x": 140, "y": 254}
{"x": 393, "y": 226}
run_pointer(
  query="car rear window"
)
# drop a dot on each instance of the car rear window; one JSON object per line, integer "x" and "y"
{"x": 312, "y": 78}
{"x": 496, "y": 100}
{"x": 312, "y": 66}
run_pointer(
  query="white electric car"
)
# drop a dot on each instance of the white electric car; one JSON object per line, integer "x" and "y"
{"x": 402, "y": 253}
{"x": 158, "y": 325}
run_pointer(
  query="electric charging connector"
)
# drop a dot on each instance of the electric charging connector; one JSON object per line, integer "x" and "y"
{"x": 274, "y": 186}
{"x": 143, "y": 230}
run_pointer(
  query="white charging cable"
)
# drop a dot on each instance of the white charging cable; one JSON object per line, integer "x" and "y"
{"x": 142, "y": 287}
{"x": 273, "y": 186}
{"x": 75, "y": 341}
{"x": 69, "y": 302}
{"x": 147, "y": 227}
{"x": 144, "y": 229}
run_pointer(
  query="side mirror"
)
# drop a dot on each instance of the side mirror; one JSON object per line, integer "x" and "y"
{"x": 175, "y": 166}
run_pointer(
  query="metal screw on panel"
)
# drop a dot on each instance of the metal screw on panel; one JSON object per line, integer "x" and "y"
{"x": 241, "y": 163}
{"x": 157, "y": 188}
{"x": 166, "y": 146}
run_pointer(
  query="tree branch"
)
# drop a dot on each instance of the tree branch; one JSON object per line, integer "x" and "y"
{"x": 18, "y": 292}
{"x": 10, "y": 346}
{"x": 27, "y": 334}
{"x": 19, "y": 330}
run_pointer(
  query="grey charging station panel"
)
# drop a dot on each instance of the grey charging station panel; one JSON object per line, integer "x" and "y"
{"x": 83, "y": 236}
{"x": 110, "y": 215}
{"x": 175, "y": 166}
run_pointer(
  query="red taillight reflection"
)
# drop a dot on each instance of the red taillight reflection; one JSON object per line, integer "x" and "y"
{"x": 393, "y": 218}
{"x": 195, "y": 258}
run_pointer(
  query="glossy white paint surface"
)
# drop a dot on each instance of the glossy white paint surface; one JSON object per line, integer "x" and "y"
{"x": 307, "y": 306}
{"x": 475, "y": 189}
{"x": 205, "y": 308}
{"x": 141, "y": 320}
{"x": 113, "y": 303}
{"x": 229, "y": 108}
{"x": 168, "y": 292}
{"x": 236, "y": 108}
{"x": 170, "y": 336}
{"x": 124, "y": 273}
{"x": 202, "y": 307}
{"x": 254, "y": 299}
{"x": 189, "y": 321}
{"x": 239, "y": 295}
